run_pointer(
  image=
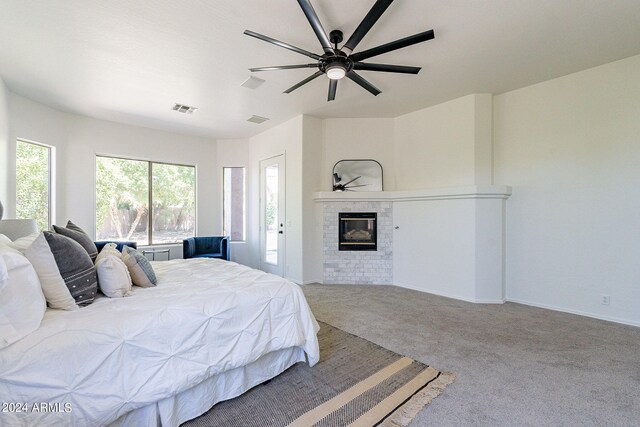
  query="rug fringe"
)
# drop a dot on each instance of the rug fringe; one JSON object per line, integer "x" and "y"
{"x": 407, "y": 412}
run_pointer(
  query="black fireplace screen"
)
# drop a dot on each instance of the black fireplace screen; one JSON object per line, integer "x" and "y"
{"x": 357, "y": 231}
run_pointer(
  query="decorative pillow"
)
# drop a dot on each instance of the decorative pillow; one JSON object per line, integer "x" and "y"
{"x": 22, "y": 304}
{"x": 21, "y": 244}
{"x": 79, "y": 235}
{"x": 108, "y": 250}
{"x": 66, "y": 272}
{"x": 113, "y": 276}
{"x": 142, "y": 273}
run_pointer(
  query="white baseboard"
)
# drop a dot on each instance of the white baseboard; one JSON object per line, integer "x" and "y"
{"x": 578, "y": 312}
{"x": 458, "y": 297}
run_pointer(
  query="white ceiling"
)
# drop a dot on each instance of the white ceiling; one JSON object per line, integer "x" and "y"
{"x": 130, "y": 61}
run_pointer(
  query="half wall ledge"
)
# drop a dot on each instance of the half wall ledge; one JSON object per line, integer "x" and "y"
{"x": 445, "y": 241}
{"x": 466, "y": 192}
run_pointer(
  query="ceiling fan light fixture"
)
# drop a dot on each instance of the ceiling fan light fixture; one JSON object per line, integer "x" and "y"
{"x": 336, "y": 71}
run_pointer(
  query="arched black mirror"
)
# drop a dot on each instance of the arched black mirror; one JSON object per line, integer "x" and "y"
{"x": 357, "y": 175}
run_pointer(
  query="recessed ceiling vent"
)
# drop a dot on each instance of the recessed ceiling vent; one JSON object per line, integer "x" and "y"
{"x": 252, "y": 83}
{"x": 186, "y": 109}
{"x": 257, "y": 119}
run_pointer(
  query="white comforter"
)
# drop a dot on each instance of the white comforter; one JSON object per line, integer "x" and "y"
{"x": 95, "y": 364}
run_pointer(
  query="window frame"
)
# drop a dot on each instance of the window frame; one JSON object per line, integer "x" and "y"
{"x": 244, "y": 204}
{"x": 150, "y": 192}
{"x": 50, "y": 176}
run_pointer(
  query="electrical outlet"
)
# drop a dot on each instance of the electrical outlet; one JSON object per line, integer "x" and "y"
{"x": 605, "y": 300}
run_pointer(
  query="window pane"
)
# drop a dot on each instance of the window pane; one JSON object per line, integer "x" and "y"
{"x": 174, "y": 203}
{"x": 233, "y": 203}
{"x": 32, "y": 183}
{"x": 122, "y": 194}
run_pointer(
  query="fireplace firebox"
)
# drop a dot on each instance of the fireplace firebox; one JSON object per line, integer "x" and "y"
{"x": 357, "y": 231}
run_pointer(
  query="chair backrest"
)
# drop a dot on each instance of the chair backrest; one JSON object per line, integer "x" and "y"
{"x": 206, "y": 245}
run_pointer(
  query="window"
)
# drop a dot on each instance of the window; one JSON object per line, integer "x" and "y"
{"x": 146, "y": 202}
{"x": 33, "y": 183}
{"x": 233, "y": 212}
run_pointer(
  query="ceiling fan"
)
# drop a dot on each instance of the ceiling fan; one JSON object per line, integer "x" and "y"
{"x": 336, "y": 62}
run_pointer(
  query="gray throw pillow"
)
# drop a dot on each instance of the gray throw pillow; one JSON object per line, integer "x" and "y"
{"x": 75, "y": 266}
{"x": 140, "y": 269}
{"x": 79, "y": 235}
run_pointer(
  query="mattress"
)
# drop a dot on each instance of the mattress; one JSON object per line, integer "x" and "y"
{"x": 205, "y": 318}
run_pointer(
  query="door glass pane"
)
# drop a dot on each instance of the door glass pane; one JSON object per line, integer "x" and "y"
{"x": 32, "y": 183}
{"x": 271, "y": 214}
{"x": 174, "y": 203}
{"x": 122, "y": 198}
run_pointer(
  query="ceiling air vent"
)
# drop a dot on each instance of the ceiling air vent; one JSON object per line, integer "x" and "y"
{"x": 252, "y": 83}
{"x": 186, "y": 109}
{"x": 257, "y": 119}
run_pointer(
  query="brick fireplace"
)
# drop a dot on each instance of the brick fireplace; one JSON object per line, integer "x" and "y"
{"x": 368, "y": 264}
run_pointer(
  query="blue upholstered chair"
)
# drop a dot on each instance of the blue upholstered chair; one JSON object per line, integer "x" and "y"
{"x": 119, "y": 245}
{"x": 206, "y": 247}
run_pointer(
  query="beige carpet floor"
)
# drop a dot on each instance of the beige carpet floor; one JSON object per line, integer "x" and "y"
{"x": 515, "y": 365}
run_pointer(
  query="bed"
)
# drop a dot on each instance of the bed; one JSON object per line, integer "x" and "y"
{"x": 209, "y": 331}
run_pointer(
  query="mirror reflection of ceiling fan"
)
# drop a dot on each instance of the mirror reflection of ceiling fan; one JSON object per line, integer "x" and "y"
{"x": 341, "y": 62}
{"x": 345, "y": 187}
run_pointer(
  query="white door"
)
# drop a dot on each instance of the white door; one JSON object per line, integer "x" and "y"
{"x": 272, "y": 215}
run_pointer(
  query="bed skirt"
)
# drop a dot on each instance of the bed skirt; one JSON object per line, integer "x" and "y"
{"x": 189, "y": 404}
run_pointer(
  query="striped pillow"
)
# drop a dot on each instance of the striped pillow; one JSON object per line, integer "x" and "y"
{"x": 140, "y": 269}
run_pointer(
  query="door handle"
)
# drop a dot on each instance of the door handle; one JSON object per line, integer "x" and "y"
{"x": 280, "y": 232}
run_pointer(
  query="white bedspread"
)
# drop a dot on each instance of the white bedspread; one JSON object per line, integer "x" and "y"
{"x": 205, "y": 317}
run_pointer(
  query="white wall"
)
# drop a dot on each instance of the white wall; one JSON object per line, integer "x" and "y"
{"x": 570, "y": 149}
{"x": 283, "y": 139}
{"x": 312, "y": 179}
{"x": 358, "y": 139}
{"x": 78, "y": 139}
{"x": 235, "y": 153}
{"x": 4, "y": 143}
{"x": 446, "y": 145}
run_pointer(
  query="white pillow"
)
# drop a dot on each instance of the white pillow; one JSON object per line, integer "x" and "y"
{"x": 110, "y": 249}
{"x": 23, "y": 243}
{"x": 113, "y": 276}
{"x": 22, "y": 304}
{"x": 4, "y": 239}
{"x": 53, "y": 286}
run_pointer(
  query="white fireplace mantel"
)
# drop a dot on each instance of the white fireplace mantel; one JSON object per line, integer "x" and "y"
{"x": 466, "y": 192}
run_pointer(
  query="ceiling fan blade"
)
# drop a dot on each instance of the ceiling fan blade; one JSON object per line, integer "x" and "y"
{"x": 304, "y": 82}
{"x": 316, "y": 25}
{"x": 398, "y": 44}
{"x": 283, "y": 67}
{"x": 386, "y": 68}
{"x": 362, "y": 82}
{"x": 354, "y": 186}
{"x": 333, "y": 85}
{"x": 372, "y": 17}
{"x": 347, "y": 183}
{"x": 281, "y": 44}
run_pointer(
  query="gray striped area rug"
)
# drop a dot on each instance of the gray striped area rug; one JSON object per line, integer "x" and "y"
{"x": 356, "y": 383}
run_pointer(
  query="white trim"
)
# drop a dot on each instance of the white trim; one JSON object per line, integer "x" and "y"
{"x": 576, "y": 312}
{"x": 453, "y": 296}
{"x": 310, "y": 282}
{"x": 467, "y": 192}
